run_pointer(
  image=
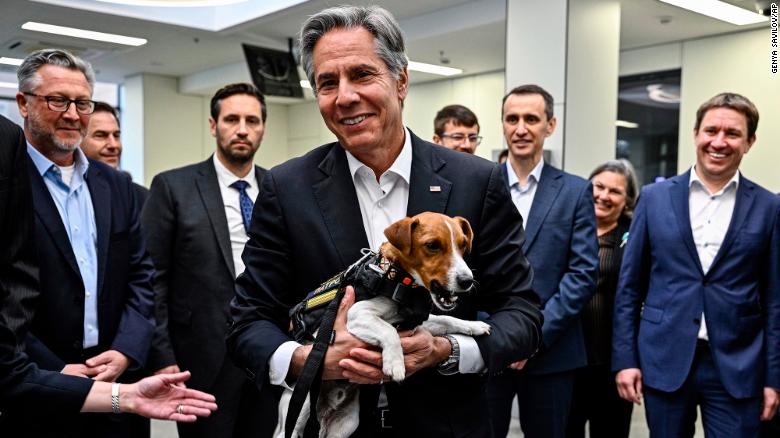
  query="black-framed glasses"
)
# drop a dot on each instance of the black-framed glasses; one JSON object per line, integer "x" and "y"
{"x": 61, "y": 104}
{"x": 460, "y": 138}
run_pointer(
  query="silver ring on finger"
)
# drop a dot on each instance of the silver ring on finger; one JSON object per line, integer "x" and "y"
{"x": 180, "y": 409}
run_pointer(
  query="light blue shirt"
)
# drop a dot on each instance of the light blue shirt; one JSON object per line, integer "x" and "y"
{"x": 523, "y": 196}
{"x": 74, "y": 204}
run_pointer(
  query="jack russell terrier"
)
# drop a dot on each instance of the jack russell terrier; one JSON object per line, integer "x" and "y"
{"x": 421, "y": 263}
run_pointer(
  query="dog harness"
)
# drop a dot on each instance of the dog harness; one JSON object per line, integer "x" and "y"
{"x": 371, "y": 276}
{"x": 313, "y": 318}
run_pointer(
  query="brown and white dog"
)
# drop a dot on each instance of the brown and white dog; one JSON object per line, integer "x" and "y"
{"x": 430, "y": 247}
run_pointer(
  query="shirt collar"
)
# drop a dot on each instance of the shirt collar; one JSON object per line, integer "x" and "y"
{"x": 43, "y": 164}
{"x": 535, "y": 175}
{"x": 226, "y": 177}
{"x": 402, "y": 166}
{"x": 734, "y": 181}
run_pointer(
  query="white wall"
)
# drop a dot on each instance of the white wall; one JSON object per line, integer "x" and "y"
{"x": 591, "y": 85}
{"x": 736, "y": 62}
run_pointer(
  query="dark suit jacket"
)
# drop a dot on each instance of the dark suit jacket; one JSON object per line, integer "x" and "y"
{"x": 662, "y": 292}
{"x": 562, "y": 245}
{"x": 125, "y": 271}
{"x": 22, "y": 384}
{"x": 307, "y": 226}
{"x": 189, "y": 241}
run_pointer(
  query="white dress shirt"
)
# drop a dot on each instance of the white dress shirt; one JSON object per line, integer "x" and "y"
{"x": 235, "y": 220}
{"x": 710, "y": 215}
{"x": 381, "y": 203}
{"x": 523, "y": 196}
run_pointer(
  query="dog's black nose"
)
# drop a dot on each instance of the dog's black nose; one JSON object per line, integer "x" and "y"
{"x": 465, "y": 282}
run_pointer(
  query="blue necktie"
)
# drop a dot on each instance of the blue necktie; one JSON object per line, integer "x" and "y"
{"x": 245, "y": 202}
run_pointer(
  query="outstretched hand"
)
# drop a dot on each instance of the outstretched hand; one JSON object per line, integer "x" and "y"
{"x": 160, "y": 396}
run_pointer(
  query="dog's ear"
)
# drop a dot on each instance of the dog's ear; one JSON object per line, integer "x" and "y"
{"x": 399, "y": 234}
{"x": 466, "y": 227}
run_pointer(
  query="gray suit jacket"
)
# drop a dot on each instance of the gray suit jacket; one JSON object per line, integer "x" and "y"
{"x": 187, "y": 232}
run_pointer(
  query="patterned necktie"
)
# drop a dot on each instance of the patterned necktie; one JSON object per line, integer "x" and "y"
{"x": 245, "y": 202}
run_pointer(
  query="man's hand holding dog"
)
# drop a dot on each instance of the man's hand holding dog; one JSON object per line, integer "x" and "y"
{"x": 421, "y": 350}
{"x": 339, "y": 351}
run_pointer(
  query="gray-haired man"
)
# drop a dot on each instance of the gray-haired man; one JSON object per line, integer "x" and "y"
{"x": 316, "y": 212}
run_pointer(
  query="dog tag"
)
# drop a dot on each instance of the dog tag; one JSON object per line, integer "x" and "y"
{"x": 435, "y": 188}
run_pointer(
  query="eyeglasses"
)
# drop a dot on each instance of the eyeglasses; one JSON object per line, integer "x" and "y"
{"x": 61, "y": 104}
{"x": 460, "y": 138}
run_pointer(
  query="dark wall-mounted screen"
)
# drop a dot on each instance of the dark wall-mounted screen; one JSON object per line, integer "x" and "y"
{"x": 648, "y": 123}
{"x": 273, "y": 72}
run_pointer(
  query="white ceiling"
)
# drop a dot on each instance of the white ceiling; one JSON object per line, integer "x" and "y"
{"x": 470, "y": 32}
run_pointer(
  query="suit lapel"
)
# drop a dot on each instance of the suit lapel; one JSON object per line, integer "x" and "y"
{"x": 546, "y": 192}
{"x": 428, "y": 191}
{"x": 210, "y": 195}
{"x": 742, "y": 205}
{"x": 680, "y": 204}
{"x": 335, "y": 194}
{"x": 50, "y": 217}
{"x": 101, "y": 205}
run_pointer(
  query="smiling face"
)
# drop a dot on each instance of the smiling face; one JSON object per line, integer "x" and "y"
{"x": 239, "y": 128}
{"x": 526, "y": 126}
{"x": 359, "y": 99}
{"x": 721, "y": 141}
{"x": 609, "y": 197}
{"x": 431, "y": 246}
{"x": 103, "y": 140}
{"x": 55, "y": 133}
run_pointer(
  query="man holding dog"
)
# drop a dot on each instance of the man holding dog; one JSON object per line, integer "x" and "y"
{"x": 196, "y": 220}
{"x": 561, "y": 244}
{"x": 697, "y": 310}
{"x": 316, "y": 212}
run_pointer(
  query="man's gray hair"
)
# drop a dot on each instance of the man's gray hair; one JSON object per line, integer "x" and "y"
{"x": 388, "y": 38}
{"x": 28, "y": 76}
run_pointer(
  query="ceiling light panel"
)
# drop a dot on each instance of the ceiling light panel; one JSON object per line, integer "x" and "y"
{"x": 434, "y": 69}
{"x": 719, "y": 10}
{"x": 85, "y": 34}
{"x": 11, "y": 61}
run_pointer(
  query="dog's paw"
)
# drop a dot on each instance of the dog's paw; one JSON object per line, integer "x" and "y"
{"x": 394, "y": 368}
{"x": 477, "y": 328}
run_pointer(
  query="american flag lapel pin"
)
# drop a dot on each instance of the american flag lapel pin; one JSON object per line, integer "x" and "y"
{"x": 435, "y": 188}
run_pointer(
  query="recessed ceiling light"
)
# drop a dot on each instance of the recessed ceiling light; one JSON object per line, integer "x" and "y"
{"x": 86, "y": 34}
{"x": 625, "y": 124}
{"x": 174, "y": 3}
{"x": 11, "y": 61}
{"x": 434, "y": 69}
{"x": 720, "y": 10}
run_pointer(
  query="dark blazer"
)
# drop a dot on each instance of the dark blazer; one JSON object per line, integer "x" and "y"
{"x": 125, "y": 271}
{"x": 307, "y": 226}
{"x": 662, "y": 292}
{"x": 562, "y": 245}
{"x": 22, "y": 384}
{"x": 189, "y": 241}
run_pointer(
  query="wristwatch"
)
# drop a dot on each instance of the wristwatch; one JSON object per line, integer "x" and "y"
{"x": 450, "y": 365}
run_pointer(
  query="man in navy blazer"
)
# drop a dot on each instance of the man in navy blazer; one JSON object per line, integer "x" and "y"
{"x": 94, "y": 316}
{"x": 562, "y": 247}
{"x": 697, "y": 311}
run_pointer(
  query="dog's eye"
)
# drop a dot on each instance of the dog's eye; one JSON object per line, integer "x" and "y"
{"x": 433, "y": 246}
